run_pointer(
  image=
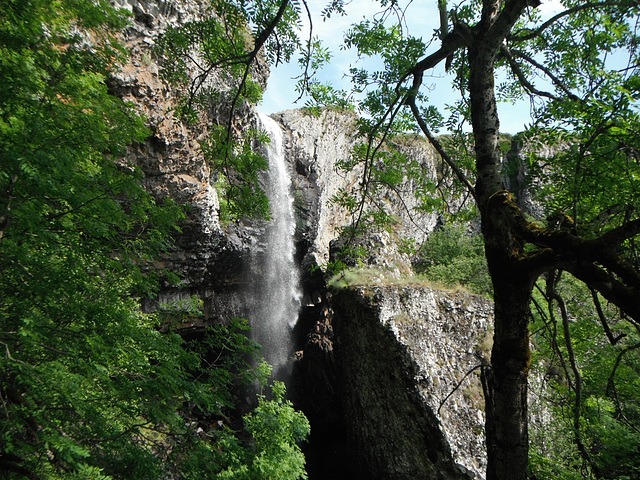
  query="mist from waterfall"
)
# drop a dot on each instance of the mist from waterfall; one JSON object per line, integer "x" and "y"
{"x": 276, "y": 279}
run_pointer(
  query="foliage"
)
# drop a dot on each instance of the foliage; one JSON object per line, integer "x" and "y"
{"x": 594, "y": 406}
{"x": 213, "y": 59}
{"x": 276, "y": 428}
{"x": 90, "y": 386}
{"x": 584, "y": 104}
{"x": 243, "y": 196}
{"x": 453, "y": 256}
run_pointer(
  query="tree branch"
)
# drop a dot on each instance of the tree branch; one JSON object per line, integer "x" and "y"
{"x": 259, "y": 43}
{"x": 603, "y": 319}
{"x": 554, "y": 19}
{"x": 438, "y": 146}
{"x": 524, "y": 81}
{"x": 547, "y": 72}
{"x": 459, "y": 384}
{"x": 459, "y": 37}
{"x": 608, "y": 286}
{"x": 577, "y": 376}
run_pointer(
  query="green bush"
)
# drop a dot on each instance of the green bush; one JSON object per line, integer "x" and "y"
{"x": 453, "y": 257}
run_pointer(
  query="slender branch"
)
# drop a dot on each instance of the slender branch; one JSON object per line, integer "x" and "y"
{"x": 459, "y": 384}
{"x": 585, "y": 6}
{"x": 553, "y": 277}
{"x": 524, "y": 81}
{"x": 546, "y": 71}
{"x": 393, "y": 109}
{"x": 103, "y": 196}
{"x": 439, "y": 148}
{"x": 603, "y": 319}
{"x": 577, "y": 405}
{"x": 305, "y": 74}
{"x": 611, "y": 387}
{"x": 404, "y": 206}
{"x": 259, "y": 43}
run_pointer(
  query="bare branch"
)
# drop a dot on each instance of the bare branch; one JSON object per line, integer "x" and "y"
{"x": 305, "y": 74}
{"x": 577, "y": 376}
{"x": 611, "y": 386}
{"x": 524, "y": 81}
{"x": 548, "y": 73}
{"x": 603, "y": 319}
{"x": 459, "y": 384}
{"x": 608, "y": 286}
{"x": 259, "y": 43}
{"x": 458, "y": 38}
{"x": 554, "y": 19}
{"x": 439, "y": 148}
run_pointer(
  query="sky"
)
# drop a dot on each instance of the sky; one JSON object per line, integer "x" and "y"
{"x": 281, "y": 95}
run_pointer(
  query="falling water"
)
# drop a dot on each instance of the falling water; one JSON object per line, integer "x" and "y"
{"x": 277, "y": 294}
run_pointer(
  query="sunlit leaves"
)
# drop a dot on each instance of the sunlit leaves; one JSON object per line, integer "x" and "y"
{"x": 454, "y": 257}
{"x": 92, "y": 387}
{"x": 240, "y": 190}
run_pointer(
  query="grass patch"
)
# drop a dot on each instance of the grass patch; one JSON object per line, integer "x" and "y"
{"x": 377, "y": 277}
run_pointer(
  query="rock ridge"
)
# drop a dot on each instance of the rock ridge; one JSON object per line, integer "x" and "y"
{"x": 411, "y": 406}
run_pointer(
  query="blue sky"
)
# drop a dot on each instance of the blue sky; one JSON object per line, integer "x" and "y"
{"x": 280, "y": 93}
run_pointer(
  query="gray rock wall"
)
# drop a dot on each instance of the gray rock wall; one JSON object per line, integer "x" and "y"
{"x": 401, "y": 352}
{"x": 315, "y": 144}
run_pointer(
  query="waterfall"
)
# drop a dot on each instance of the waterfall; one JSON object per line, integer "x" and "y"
{"x": 276, "y": 287}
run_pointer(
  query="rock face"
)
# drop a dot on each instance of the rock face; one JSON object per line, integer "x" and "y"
{"x": 210, "y": 259}
{"x": 412, "y": 405}
{"x": 315, "y": 144}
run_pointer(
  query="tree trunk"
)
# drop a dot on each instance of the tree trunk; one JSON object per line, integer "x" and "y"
{"x": 505, "y": 385}
{"x": 505, "y": 381}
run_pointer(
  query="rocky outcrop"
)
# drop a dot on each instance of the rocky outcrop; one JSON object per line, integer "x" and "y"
{"x": 411, "y": 398}
{"x": 210, "y": 259}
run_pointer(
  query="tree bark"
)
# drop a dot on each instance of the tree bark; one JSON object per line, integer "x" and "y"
{"x": 505, "y": 384}
{"x": 505, "y": 381}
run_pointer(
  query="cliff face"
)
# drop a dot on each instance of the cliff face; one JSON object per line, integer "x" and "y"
{"x": 412, "y": 403}
{"x": 315, "y": 144}
{"x": 211, "y": 259}
{"x": 378, "y": 362}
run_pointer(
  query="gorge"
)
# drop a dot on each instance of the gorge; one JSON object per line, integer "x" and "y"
{"x": 375, "y": 363}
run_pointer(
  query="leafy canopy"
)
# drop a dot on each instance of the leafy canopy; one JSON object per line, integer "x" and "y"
{"x": 91, "y": 387}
